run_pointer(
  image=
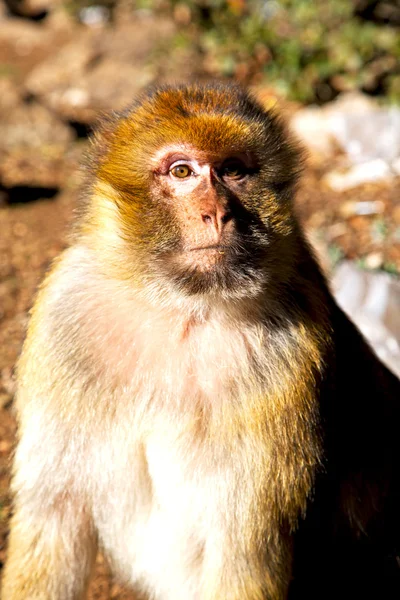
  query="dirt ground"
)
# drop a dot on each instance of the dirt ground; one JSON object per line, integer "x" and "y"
{"x": 57, "y": 77}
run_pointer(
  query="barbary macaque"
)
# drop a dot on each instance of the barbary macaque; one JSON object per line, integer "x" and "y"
{"x": 191, "y": 400}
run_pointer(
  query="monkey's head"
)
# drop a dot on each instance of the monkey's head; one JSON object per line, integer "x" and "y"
{"x": 197, "y": 183}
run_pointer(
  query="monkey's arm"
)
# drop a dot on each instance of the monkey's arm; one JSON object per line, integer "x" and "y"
{"x": 351, "y": 534}
{"x": 52, "y": 543}
{"x": 50, "y": 554}
{"x": 364, "y": 415}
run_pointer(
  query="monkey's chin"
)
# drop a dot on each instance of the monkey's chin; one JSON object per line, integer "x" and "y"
{"x": 215, "y": 272}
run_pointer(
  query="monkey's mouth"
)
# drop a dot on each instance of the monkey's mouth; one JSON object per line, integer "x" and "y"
{"x": 216, "y": 268}
{"x": 204, "y": 258}
{"x": 217, "y": 248}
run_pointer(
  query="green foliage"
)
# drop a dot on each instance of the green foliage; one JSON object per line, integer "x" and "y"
{"x": 309, "y": 49}
{"x": 379, "y": 230}
{"x": 391, "y": 268}
{"x": 335, "y": 254}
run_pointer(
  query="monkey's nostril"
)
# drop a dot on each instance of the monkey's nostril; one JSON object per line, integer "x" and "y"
{"x": 226, "y": 217}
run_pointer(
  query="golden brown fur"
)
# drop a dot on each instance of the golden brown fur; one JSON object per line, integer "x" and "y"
{"x": 190, "y": 398}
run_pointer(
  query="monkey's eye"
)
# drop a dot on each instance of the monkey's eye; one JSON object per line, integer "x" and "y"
{"x": 181, "y": 171}
{"x": 233, "y": 169}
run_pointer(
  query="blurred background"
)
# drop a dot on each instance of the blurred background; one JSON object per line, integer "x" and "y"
{"x": 332, "y": 68}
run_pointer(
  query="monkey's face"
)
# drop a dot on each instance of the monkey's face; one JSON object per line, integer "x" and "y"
{"x": 204, "y": 178}
{"x": 217, "y": 243}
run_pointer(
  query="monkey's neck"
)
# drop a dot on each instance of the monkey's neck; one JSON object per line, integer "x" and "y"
{"x": 302, "y": 299}
{"x": 127, "y": 315}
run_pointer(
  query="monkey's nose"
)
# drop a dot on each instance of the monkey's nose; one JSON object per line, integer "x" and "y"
{"x": 216, "y": 218}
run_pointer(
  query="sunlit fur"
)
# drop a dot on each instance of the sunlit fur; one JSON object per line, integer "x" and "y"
{"x": 181, "y": 426}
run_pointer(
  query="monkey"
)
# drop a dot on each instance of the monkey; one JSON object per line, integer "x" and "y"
{"x": 191, "y": 400}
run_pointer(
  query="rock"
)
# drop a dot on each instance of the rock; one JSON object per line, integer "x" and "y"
{"x": 133, "y": 40}
{"x": 312, "y": 128}
{"x": 321, "y": 128}
{"x": 123, "y": 83}
{"x": 52, "y": 81}
{"x": 32, "y": 125}
{"x": 369, "y": 136}
{"x": 365, "y": 131}
{"x": 94, "y": 15}
{"x": 352, "y": 208}
{"x": 372, "y": 171}
{"x": 352, "y": 103}
{"x": 372, "y": 301}
{"x": 33, "y": 9}
{"x": 33, "y": 145}
{"x": 24, "y": 44}
{"x": 99, "y": 70}
{"x": 110, "y": 85}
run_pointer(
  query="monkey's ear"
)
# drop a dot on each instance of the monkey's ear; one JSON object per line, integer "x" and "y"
{"x": 285, "y": 155}
{"x": 101, "y": 140}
